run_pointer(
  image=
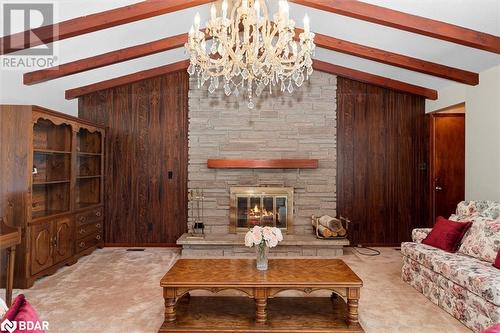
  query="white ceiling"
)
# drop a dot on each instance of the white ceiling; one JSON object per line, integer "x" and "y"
{"x": 484, "y": 17}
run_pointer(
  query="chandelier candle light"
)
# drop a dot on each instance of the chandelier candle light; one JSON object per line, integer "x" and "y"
{"x": 263, "y": 238}
{"x": 249, "y": 52}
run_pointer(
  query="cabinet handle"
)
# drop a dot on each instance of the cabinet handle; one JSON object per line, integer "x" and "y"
{"x": 98, "y": 214}
{"x": 82, "y": 244}
{"x": 98, "y": 237}
{"x": 82, "y": 231}
{"x": 53, "y": 241}
{"x": 98, "y": 225}
{"x": 53, "y": 245}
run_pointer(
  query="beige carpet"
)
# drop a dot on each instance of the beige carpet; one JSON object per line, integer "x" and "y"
{"x": 117, "y": 291}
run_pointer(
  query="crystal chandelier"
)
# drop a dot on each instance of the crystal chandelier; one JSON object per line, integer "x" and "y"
{"x": 247, "y": 52}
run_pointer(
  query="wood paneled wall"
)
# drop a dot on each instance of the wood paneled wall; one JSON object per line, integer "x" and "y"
{"x": 146, "y": 145}
{"x": 382, "y": 162}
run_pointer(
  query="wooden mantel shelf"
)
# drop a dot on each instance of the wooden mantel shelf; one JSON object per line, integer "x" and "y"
{"x": 263, "y": 164}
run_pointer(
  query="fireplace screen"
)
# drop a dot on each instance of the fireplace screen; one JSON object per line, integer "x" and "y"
{"x": 263, "y": 206}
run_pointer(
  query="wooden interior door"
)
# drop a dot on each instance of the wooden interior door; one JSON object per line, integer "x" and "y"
{"x": 41, "y": 244}
{"x": 447, "y": 163}
{"x": 64, "y": 239}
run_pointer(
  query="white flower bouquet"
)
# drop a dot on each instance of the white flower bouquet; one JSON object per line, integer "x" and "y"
{"x": 263, "y": 236}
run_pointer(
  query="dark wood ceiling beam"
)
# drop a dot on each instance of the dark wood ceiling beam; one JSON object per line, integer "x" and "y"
{"x": 105, "y": 59}
{"x": 322, "y": 41}
{"x": 407, "y": 22}
{"x": 126, "y": 79}
{"x": 94, "y": 22}
{"x": 395, "y": 59}
{"x": 318, "y": 65}
{"x": 374, "y": 79}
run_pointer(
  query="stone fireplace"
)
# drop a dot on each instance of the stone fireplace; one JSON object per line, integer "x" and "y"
{"x": 282, "y": 126}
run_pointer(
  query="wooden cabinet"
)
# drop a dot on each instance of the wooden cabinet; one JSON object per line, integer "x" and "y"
{"x": 88, "y": 242}
{"x": 51, "y": 243}
{"x": 89, "y": 229}
{"x": 89, "y": 216}
{"x": 51, "y": 186}
{"x": 63, "y": 239}
{"x": 41, "y": 245}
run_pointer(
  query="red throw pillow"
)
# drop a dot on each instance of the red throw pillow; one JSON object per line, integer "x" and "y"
{"x": 446, "y": 235}
{"x": 21, "y": 310}
{"x": 497, "y": 260}
{"x": 14, "y": 308}
{"x": 493, "y": 329}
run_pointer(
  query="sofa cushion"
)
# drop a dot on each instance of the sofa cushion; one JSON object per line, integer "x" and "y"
{"x": 482, "y": 241}
{"x": 479, "y": 277}
{"x": 472, "y": 310}
{"x": 419, "y": 234}
{"x": 446, "y": 235}
{"x": 485, "y": 208}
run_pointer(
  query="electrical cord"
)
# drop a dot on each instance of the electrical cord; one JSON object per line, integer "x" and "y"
{"x": 374, "y": 252}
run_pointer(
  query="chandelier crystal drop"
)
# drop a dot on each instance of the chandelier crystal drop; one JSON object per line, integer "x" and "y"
{"x": 249, "y": 53}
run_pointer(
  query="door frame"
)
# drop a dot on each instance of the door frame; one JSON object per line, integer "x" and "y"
{"x": 441, "y": 113}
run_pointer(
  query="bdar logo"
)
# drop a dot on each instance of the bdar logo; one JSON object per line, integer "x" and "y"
{"x": 8, "y": 326}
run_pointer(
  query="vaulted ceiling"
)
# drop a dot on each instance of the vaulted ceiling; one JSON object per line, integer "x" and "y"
{"x": 347, "y": 41}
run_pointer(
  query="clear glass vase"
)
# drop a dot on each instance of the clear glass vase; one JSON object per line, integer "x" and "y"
{"x": 262, "y": 252}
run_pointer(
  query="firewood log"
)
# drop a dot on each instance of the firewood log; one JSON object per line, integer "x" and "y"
{"x": 324, "y": 231}
{"x": 334, "y": 224}
{"x": 325, "y": 220}
{"x": 330, "y": 222}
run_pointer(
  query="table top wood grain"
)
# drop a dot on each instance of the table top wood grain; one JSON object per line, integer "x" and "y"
{"x": 242, "y": 272}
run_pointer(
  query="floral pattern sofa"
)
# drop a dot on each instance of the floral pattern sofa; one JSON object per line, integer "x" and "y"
{"x": 465, "y": 283}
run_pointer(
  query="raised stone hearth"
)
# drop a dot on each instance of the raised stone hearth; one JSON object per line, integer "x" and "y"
{"x": 234, "y": 245}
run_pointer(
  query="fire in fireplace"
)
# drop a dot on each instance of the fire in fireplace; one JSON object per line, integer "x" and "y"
{"x": 263, "y": 206}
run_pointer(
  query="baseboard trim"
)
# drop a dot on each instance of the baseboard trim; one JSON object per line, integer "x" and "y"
{"x": 141, "y": 245}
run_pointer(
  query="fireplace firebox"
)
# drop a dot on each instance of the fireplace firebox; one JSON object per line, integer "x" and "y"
{"x": 260, "y": 205}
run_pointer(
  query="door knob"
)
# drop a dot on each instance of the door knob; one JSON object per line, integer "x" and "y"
{"x": 438, "y": 188}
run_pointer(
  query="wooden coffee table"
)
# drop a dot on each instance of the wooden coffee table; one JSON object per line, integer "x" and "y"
{"x": 269, "y": 314}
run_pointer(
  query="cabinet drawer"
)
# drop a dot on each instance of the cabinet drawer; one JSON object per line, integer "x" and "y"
{"x": 88, "y": 242}
{"x": 89, "y": 216}
{"x": 91, "y": 228}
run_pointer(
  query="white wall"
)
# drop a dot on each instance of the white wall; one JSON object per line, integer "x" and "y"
{"x": 482, "y": 151}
